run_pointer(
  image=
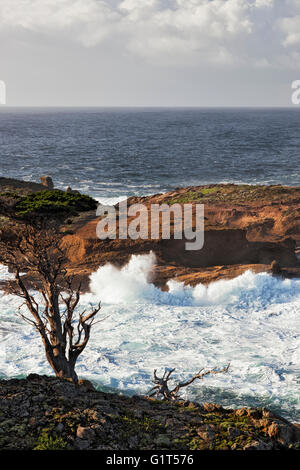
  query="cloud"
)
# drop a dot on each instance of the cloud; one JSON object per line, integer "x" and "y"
{"x": 257, "y": 32}
{"x": 291, "y": 28}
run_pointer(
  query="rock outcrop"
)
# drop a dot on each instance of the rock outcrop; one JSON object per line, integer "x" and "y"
{"x": 47, "y": 413}
{"x": 47, "y": 182}
{"x": 22, "y": 187}
{"x": 246, "y": 227}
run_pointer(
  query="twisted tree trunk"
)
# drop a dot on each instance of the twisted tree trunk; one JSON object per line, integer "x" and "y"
{"x": 40, "y": 252}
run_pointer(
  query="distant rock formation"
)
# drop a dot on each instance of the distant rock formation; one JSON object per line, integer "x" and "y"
{"x": 19, "y": 186}
{"x": 47, "y": 182}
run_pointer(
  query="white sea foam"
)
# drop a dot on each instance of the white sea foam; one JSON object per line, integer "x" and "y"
{"x": 252, "y": 321}
{"x": 110, "y": 201}
{"x": 131, "y": 284}
{"x": 4, "y": 273}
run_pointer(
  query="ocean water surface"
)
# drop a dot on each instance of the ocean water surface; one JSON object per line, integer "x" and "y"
{"x": 113, "y": 153}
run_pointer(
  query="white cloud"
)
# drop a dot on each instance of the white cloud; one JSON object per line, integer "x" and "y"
{"x": 167, "y": 31}
{"x": 291, "y": 28}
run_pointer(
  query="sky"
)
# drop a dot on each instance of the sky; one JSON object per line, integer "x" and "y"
{"x": 149, "y": 52}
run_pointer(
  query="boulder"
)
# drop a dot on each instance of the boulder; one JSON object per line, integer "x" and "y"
{"x": 275, "y": 268}
{"x": 73, "y": 191}
{"x": 47, "y": 182}
{"x": 258, "y": 445}
{"x": 85, "y": 433}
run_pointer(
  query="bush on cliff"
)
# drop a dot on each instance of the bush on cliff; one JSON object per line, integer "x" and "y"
{"x": 54, "y": 202}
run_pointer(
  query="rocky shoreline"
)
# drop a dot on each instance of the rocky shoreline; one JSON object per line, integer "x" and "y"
{"x": 46, "y": 413}
{"x": 246, "y": 228}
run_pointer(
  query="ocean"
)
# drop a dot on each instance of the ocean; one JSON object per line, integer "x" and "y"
{"x": 112, "y": 153}
{"x": 252, "y": 321}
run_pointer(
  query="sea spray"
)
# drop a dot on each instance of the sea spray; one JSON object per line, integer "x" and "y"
{"x": 131, "y": 284}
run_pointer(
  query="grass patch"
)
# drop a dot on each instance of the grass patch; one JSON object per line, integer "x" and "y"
{"x": 48, "y": 442}
{"x": 231, "y": 193}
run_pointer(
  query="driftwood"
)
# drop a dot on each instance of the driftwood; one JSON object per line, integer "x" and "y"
{"x": 161, "y": 384}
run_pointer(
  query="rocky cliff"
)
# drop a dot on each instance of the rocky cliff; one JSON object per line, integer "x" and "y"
{"x": 246, "y": 227}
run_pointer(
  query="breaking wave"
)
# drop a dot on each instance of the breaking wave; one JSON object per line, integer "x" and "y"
{"x": 131, "y": 284}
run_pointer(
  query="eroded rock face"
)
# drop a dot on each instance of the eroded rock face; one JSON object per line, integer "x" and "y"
{"x": 49, "y": 413}
{"x": 246, "y": 228}
{"x": 255, "y": 228}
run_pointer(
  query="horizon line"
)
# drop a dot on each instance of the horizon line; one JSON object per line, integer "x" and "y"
{"x": 3, "y": 107}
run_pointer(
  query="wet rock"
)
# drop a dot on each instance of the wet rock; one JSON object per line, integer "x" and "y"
{"x": 275, "y": 268}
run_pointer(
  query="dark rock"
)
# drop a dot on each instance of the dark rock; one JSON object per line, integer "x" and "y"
{"x": 83, "y": 419}
{"x": 47, "y": 182}
{"x": 211, "y": 407}
{"x": 162, "y": 440}
{"x": 59, "y": 428}
{"x": 81, "y": 444}
{"x": 86, "y": 385}
{"x": 258, "y": 445}
{"x": 275, "y": 268}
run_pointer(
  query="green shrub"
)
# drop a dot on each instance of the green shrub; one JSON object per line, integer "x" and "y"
{"x": 46, "y": 442}
{"x": 54, "y": 202}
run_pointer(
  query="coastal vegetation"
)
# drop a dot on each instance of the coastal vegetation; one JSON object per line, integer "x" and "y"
{"x": 231, "y": 193}
{"x": 47, "y": 202}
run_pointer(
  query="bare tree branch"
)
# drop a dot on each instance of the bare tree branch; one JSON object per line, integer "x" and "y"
{"x": 161, "y": 384}
{"x": 37, "y": 250}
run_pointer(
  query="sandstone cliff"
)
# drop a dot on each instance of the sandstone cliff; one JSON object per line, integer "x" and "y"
{"x": 246, "y": 227}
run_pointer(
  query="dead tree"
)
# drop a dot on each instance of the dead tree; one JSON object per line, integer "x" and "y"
{"x": 64, "y": 332}
{"x": 161, "y": 384}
